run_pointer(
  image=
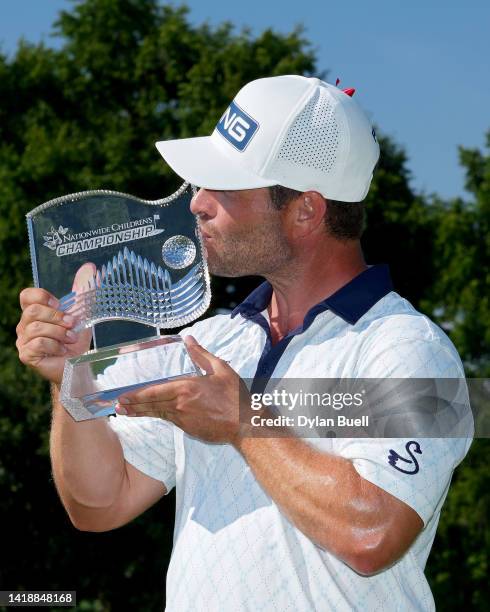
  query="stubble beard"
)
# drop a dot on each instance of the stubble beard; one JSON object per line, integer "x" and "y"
{"x": 255, "y": 252}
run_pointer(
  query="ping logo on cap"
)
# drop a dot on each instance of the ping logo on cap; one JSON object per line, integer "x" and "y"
{"x": 237, "y": 127}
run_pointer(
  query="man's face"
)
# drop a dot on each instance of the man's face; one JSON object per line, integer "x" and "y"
{"x": 242, "y": 232}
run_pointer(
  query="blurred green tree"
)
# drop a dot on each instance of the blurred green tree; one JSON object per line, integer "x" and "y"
{"x": 129, "y": 73}
{"x": 458, "y": 564}
{"x": 459, "y": 301}
{"x": 459, "y": 298}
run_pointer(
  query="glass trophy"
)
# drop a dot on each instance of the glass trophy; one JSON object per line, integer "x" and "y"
{"x": 126, "y": 268}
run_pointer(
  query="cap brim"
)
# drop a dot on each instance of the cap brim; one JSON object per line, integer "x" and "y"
{"x": 199, "y": 162}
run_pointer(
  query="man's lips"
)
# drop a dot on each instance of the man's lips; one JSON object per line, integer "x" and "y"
{"x": 206, "y": 239}
{"x": 205, "y": 235}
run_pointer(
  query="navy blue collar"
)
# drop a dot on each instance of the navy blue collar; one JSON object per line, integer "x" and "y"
{"x": 350, "y": 302}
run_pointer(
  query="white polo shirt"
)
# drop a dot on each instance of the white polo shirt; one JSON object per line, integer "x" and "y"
{"x": 234, "y": 550}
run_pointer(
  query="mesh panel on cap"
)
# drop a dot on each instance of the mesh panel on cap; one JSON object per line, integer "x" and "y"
{"x": 313, "y": 138}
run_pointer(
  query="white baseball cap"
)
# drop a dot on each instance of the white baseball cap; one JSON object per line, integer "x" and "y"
{"x": 293, "y": 131}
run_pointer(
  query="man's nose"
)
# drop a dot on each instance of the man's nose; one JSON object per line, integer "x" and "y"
{"x": 202, "y": 204}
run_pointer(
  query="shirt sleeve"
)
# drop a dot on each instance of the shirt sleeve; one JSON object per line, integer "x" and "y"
{"x": 416, "y": 470}
{"x": 148, "y": 445}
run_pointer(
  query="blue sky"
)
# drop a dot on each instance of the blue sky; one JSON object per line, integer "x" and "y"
{"x": 421, "y": 68}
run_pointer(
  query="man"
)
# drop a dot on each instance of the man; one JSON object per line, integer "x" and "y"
{"x": 271, "y": 523}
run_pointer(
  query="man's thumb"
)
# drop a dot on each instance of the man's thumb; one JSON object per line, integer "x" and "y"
{"x": 203, "y": 358}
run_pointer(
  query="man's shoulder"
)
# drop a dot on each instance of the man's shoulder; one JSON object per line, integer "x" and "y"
{"x": 394, "y": 326}
{"x": 395, "y": 317}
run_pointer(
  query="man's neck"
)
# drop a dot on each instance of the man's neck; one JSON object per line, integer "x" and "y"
{"x": 296, "y": 291}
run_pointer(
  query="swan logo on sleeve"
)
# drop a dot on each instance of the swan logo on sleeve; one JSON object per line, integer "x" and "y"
{"x": 237, "y": 126}
{"x": 402, "y": 464}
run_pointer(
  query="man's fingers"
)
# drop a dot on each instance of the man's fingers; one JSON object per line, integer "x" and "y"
{"x": 37, "y": 349}
{"x": 84, "y": 277}
{"x": 166, "y": 392}
{"x": 150, "y": 410}
{"x": 38, "y": 329}
{"x": 44, "y": 314}
{"x": 162, "y": 410}
{"x": 34, "y": 295}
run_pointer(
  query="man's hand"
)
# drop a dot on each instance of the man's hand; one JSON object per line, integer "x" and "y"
{"x": 44, "y": 334}
{"x": 206, "y": 407}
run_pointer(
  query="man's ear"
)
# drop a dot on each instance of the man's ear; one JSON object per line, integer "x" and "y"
{"x": 309, "y": 209}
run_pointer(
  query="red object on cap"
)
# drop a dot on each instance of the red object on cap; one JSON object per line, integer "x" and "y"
{"x": 350, "y": 92}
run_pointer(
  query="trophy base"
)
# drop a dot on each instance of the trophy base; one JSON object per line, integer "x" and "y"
{"x": 92, "y": 382}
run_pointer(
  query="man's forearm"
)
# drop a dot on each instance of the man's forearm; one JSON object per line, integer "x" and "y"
{"x": 324, "y": 497}
{"x": 87, "y": 460}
